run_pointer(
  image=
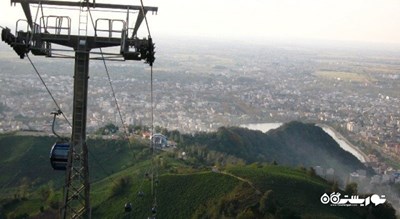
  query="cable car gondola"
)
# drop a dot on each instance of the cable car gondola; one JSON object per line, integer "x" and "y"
{"x": 60, "y": 150}
{"x": 128, "y": 207}
{"x": 141, "y": 194}
{"x": 59, "y": 156}
{"x": 159, "y": 140}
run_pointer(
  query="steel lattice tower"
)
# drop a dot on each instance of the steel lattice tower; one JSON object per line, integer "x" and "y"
{"x": 38, "y": 38}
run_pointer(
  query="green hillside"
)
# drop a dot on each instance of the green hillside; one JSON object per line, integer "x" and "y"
{"x": 187, "y": 187}
{"x": 28, "y": 157}
{"x": 27, "y": 181}
{"x": 236, "y": 191}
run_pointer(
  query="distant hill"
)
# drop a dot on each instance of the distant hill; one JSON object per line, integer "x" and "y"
{"x": 293, "y": 144}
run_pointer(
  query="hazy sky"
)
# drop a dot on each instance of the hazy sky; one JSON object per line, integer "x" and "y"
{"x": 349, "y": 20}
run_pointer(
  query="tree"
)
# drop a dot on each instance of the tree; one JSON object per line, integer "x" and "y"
{"x": 107, "y": 129}
{"x": 351, "y": 189}
{"x": 384, "y": 210}
{"x": 111, "y": 128}
{"x": 335, "y": 186}
{"x": 119, "y": 187}
{"x": 268, "y": 203}
{"x": 311, "y": 172}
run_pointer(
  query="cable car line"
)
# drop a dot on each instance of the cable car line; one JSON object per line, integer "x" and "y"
{"x": 113, "y": 93}
{"x": 109, "y": 80}
{"x": 48, "y": 90}
{"x": 72, "y": 156}
{"x": 150, "y": 61}
{"x": 102, "y": 168}
{"x": 128, "y": 205}
{"x": 60, "y": 112}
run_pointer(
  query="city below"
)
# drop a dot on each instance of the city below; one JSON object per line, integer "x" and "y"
{"x": 201, "y": 85}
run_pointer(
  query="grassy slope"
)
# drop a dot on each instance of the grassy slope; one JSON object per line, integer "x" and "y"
{"x": 178, "y": 196}
{"x": 187, "y": 195}
{"x": 25, "y": 157}
{"x": 28, "y": 156}
{"x": 294, "y": 189}
{"x": 201, "y": 194}
{"x": 24, "y": 160}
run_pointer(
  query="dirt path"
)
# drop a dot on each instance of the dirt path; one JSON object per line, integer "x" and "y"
{"x": 243, "y": 180}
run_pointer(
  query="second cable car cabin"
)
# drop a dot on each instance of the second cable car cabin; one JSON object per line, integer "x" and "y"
{"x": 59, "y": 156}
{"x": 159, "y": 141}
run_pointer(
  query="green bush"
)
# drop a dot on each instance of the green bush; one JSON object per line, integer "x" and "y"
{"x": 120, "y": 186}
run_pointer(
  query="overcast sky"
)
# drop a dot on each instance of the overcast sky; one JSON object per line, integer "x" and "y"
{"x": 344, "y": 20}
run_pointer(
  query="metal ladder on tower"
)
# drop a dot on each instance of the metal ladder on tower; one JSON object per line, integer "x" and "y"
{"x": 83, "y": 20}
{"x": 82, "y": 33}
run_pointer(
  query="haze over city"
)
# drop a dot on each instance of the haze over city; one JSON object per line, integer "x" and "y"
{"x": 340, "y": 20}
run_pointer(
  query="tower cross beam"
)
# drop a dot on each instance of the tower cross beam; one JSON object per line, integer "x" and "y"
{"x": 88, "y": 4}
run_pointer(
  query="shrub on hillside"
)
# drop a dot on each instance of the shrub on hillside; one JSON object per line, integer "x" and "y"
{"x": 120, "y": 186}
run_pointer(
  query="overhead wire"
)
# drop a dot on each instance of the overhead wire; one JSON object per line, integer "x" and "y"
{"x": 48, "y": 90}
{"x": 119, "y": 110}
{"x": 41, "y": 79}
{"x": 113, "y": 93}
{"x": 56, "y": 103}
{"x": 153, "y": 166}
{"x": 93, "y": 156}
{"x": 126, "y": 131}
{"x": 109, "y": 80}
{"x": 102, "y": 168}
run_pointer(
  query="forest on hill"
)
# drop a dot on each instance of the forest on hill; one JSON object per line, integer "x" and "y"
{"x": 293, "y": 144}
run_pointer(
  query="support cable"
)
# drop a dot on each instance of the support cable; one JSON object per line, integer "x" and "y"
{"x": 109, "y": 81}
{"x": 112, "y": 89}
{"x": 153, "y": 190}
{"x": 113, "y": 94}
{"x": 96, "y": 160}
{"x": 152, "y": 113}
{"x": 93, "y": 156}
{"x": 152, "y": 128}
{"x": 2, "y": 27}
{"x": 48, "y": 91}
{"x": 140, "y": 192}
{"x": 102, "y": 168}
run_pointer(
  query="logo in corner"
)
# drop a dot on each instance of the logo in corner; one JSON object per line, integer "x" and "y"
{"x": 353, "y": 200}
